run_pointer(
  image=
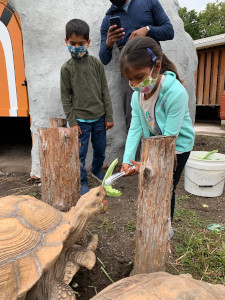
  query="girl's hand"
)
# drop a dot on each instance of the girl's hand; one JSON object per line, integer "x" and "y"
{"x": 108, "y": 125}
{"x": 125, "y": 168}
{"x": 79, "y": 130}
{"x": 136, "y": 164}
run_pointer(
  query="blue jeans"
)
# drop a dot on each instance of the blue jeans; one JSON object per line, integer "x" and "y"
{"x": 98, "y": 140}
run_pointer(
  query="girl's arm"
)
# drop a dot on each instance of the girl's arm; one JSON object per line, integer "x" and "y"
{"x": 175, "y": 113}
{"x": 134, "y": 134}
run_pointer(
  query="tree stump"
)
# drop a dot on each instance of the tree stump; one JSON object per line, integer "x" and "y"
{"x": 60, "y": 167}
{"x": 57, "y": 122}
{"x": 154, "y": 202}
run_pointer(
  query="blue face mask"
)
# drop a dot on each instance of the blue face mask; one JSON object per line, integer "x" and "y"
{"x": 77, "y": 52}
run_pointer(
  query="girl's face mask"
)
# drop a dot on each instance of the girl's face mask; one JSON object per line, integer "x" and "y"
{"x": 146, "y": 86}
{"x": 77, "y": 52}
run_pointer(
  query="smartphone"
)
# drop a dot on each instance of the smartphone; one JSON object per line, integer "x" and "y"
{"x": 115, "y": 21}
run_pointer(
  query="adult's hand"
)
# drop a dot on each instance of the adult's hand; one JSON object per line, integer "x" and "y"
{"x": 113, "y": 36}
{"x": 139, "y": 32}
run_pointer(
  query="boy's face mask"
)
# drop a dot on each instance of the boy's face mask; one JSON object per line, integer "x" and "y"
{"x": 146, "y": 86}
{"x": 77, "y": 52}
{"x": 118, "y": 3}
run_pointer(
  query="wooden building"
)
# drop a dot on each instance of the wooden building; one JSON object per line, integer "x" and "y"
{"x": 210, "y": 74}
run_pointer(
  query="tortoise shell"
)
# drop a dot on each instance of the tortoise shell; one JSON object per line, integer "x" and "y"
{"x": 31, "y": 238}
{"x": 161, "y": 285}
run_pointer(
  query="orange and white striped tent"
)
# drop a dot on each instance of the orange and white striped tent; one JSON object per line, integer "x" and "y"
{"x": 13, "y": 88}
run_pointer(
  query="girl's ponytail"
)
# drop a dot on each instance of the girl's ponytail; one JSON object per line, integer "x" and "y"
{"x": 168, "y": 65}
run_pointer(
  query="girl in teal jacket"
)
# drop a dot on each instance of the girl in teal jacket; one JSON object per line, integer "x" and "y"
{"x": 159, "y": 103}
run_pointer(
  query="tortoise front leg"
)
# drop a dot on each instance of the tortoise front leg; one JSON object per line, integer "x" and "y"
{"x": 61, "y": 291}
{"x": 79, "y": 257}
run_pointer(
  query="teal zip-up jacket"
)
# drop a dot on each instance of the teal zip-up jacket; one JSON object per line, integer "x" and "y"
{"x": 172, "y": 116}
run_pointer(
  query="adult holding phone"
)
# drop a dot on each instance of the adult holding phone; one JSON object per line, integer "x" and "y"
{"x": 138, "y": 18}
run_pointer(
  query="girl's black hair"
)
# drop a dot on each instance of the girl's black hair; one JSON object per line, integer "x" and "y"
{"x": 138, "y": 54}
{"x": 79, "y": 27}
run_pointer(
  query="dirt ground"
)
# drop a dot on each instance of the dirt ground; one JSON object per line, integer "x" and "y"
{"x": 116, "y": 228}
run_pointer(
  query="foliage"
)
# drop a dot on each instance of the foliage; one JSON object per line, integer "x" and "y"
{"x": 212, "y": 19}
{"x": 33, "y": 194}
{"x": 107, "y": 224}
{"x": 208, "y": 22}
{"x": 130, "y": 226}
{"x": 191, "y": 22}
{"x": 196, "y": 250}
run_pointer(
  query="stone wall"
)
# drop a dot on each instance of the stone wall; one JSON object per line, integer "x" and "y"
{"x": 43, "y": 25}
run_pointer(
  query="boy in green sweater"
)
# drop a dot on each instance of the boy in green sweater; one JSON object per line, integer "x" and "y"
{"x": 85, "y": 98}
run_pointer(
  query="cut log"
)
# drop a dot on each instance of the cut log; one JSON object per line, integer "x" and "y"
{"x": 154, "y": 203}
{"x": 60, "y": 167}
{"x": 57, "y": 122}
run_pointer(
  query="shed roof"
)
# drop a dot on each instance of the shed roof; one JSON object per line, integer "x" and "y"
{"x": 211, "y": 41}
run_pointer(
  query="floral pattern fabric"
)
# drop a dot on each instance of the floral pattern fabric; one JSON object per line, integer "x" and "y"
{"x": 148, "y": 108}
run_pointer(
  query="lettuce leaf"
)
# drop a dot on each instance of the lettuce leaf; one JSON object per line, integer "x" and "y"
{"x": 109, "y": 189}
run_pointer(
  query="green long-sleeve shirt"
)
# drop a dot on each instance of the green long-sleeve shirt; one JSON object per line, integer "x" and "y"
{"x": 84, "y": 90}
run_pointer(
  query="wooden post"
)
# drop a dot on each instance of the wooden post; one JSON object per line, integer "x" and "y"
{"x": 154, "y": 202}
{"x": 201, "y": 69}
{"x": 214, "y": 76}
{"x": 60, "y": 166}
{"x": 57, "y": 122}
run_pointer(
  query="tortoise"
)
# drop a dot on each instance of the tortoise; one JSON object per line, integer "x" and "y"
{"x": 38, "y": 254}
{"x": 161, "y": 285}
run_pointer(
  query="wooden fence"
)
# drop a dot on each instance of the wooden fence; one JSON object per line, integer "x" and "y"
{"x": 210, "y": 75}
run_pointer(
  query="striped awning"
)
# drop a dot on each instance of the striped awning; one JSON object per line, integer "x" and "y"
{"x": 13, "y": 89}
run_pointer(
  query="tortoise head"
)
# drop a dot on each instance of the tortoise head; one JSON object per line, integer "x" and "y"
{"x": 92, "y": 203}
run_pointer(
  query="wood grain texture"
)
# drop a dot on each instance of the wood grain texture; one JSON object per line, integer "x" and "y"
{"x": 221, "y": 76}
{"x": 201, "y": 69}
{"x": 214, "y": 76}
{"x": 57, "y": 122}
{"x": 207, "y": 77}
{"x": 154, "y": 201}
{"x": 60, "y": 167}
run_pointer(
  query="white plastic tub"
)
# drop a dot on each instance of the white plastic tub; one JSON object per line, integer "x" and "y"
{"x": 205, "y": 177}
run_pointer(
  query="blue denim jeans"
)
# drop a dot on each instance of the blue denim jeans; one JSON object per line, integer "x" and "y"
{"x": 98, "y": 140}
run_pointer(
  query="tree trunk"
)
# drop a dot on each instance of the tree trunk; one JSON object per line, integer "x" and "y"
{"x": 60, "y": 167}
{"x": 57, "y": 122}
{"x": 154, "y": 202}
